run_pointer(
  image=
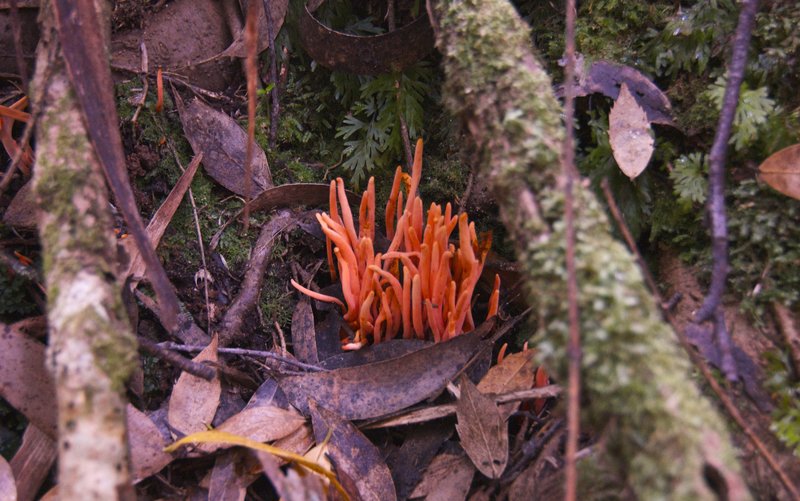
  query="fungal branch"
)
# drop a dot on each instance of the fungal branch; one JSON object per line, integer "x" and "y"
{"x": 422, "y": 285}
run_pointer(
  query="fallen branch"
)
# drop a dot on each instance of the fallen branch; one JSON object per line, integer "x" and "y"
{"x": 244, "y": 352}
{"x": 711, "y": 307}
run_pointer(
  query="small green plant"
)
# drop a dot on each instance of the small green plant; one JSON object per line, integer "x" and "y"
{"x": 786, "y": 393}
{"x": 689, "y": 178}
{"x": 371, "y": 129}
{"x": 693, "y": 37}
{"x": 755, "y": 108}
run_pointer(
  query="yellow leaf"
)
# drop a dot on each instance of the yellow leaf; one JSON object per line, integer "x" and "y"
{"x": 221, "y": 437}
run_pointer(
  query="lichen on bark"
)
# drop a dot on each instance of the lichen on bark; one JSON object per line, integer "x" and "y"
{"x": 92, "y": 350}
{"x": 660, "y": 434}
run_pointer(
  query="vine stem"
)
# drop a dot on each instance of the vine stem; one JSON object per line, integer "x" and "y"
{"x": 569, "y": 174}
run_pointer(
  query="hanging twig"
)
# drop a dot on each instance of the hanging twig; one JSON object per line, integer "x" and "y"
{"x": 243, "y": 352}
{"x": 626, "y": 234}
{"x": 251, "y": 45}
{"x": 16, "y": 33}
{"x": 716, "y": 187}
{"x": 273, "y": 76}
{"x": 569, "y": 173}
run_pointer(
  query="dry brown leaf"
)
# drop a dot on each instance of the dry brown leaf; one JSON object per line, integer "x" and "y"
{"x": 24, "y": 381}
{"x": 277, "y": 11}
{"x": 373, "y": 390}
{"x": 304, "y": 340}
{"x": 146, "y": 445}
{"x": 447, "y": 478}
{"x": 223, "y": 142}
{"x": 516, "y": 372}
{"x": 629, "y": 134}
{"x": 8, "y": 488}
{"x": 194, "y": 400}
{"x": 23, "y": 209}
{"x": 32, "y": 462}
{"x": 292, "y": 486}
{"x": 299, "y": 441}
{"x": 231, "y": 475}
{"x": 482, "y": 430}
{"x": 781, "y": 171}
{"x": 262, "y": 424}
{"x": 358, "y": 462}
{"x": 162, "y": 217}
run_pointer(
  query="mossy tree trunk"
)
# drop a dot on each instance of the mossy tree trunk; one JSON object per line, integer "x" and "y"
{"x": 92, "y": 349}
{"x": 661, "y": 436}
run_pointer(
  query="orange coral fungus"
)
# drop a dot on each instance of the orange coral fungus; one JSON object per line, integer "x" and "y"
{"x": 422, "y": 285}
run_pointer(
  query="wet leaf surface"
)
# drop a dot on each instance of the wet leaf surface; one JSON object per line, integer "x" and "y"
{"x": 629, "y": 134}
{"x": 353, "y": 455}
{"x": 482, "y": 430}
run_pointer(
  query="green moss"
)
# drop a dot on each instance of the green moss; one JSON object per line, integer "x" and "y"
{"x": 656, "y": 426}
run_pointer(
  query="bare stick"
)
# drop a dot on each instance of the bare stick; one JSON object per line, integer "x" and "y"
{"x": 16, "y": 30}
{"x": 626, "y": 234}
{"x": 569, "y": 173}
{"x": 716, "y": 187}
{"x": 243, "y": 352}
{"x": 273, "y": 76}
{"x": 251, "y": 44}
{"x": 162, "y": 353}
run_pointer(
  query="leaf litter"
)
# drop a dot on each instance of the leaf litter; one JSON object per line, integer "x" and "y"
{"x": 377, "y": 382}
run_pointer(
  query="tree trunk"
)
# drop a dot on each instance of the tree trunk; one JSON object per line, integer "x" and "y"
{"x": 92, "y": 349}
{"x": 661, "y": 437}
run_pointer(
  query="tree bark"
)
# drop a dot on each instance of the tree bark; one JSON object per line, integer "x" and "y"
{"x": 92, "y": 349}
{"x": 661, "y": 436}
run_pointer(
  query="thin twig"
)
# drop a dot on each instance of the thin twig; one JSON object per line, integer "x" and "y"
{"x": 273, "y": 76}
{"x": 251, "y": 45}
{"x": 574, "y": 354}
{"x": 711, "y": 307}
{"x": 626, "y": 234}
{"x": 162, "y": 353}
{"x": 199, "y": 232}
{"x": 245, "y": 353}
{"x": 16, "y": 33}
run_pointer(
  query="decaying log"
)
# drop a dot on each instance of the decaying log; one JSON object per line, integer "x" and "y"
{"x": 92, "y": 349}
{"x": 661, "y": 436}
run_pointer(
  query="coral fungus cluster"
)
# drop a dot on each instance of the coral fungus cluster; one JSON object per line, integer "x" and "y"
{"x": 422, "y": 284}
